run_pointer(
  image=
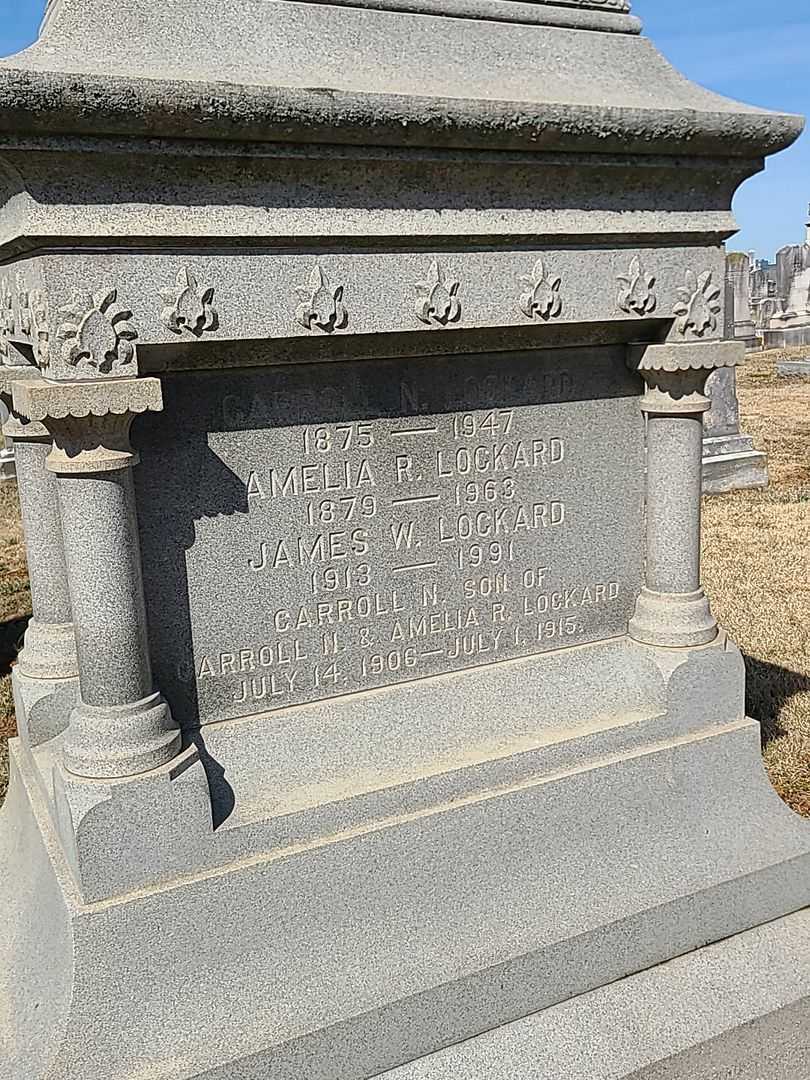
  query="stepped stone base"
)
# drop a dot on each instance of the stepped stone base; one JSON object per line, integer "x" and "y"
{"x": 731, "y": 463}
{"x": 556, "y": 827}
{"x": 793, "y": 367}
{"x": 790, "y": 338}
{"x": 736, "y": 1010}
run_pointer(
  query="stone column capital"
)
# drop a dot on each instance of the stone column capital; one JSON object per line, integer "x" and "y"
{"x": 19, "y": 427}
{"x": 89, "y": 421}
{"x": 675, "y": 373}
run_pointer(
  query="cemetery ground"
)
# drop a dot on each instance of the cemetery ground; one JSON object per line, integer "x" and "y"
{"x": 756, "y": 551}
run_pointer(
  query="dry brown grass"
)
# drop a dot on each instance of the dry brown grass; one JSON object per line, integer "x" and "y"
{"x": 756, "y": 569}
{"x": 15, "y": 607}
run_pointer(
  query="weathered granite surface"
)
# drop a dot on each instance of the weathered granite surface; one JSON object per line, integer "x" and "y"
{"x": 736, "y": 1009}
{"x": 435, "y": 535}
{"x": 401, "y": 710}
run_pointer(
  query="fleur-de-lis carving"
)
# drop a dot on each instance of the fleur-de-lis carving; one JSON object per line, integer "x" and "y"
{"x": 39, "y": 316}
{"x": 698, "y": 304}
{"x": 97, "y": 333}
{"x": 542, "y": 296}
{"x": 321, "y": 303}
{"x": 436, "y": 297}
{"x": 187, "y": 306}
{"x": 636, "y": 294}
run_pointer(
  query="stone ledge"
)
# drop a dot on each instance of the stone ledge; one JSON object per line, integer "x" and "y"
{"x": 737, "y": 1008}
{"x": 16, "y": 376}
{"x": 686, "y": 356}
{"x": 53, "y": 102}
{"x": 38, "y": 399}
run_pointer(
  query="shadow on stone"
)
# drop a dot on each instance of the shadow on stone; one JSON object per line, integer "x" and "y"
{"x": 223, "y": 797}
{"x": 171, "y": 502}
{"x": 769, "y": 688}
{"x": 12, "y": 632}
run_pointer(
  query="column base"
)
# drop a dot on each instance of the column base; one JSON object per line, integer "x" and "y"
{"x": 49, "y": 651}
{"x": 161, "y": 819}
{"x": 111, "y": 741}
{"x": 673, "y": 620}
{"x": 42, "y": 706}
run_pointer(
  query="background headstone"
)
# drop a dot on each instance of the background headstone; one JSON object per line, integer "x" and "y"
{"x": 787, "y": 323}
{"x": 730, "y": 461}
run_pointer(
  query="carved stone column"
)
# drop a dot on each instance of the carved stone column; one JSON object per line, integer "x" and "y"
{"x": 50, "y": 647}
{"x": 121, "y": 725}
{"x": 672, "y": 608}
{"x": 49, "y": 652}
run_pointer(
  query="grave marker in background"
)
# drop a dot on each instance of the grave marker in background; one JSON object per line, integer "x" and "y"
{"x": 730, "y": 461}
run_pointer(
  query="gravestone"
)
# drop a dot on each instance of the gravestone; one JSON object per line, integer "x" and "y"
{"x": 357, "y": 357}
{"x": 739, "y": 321}
{"x": 730, "y": 460}
{"x": 787, "y": 315}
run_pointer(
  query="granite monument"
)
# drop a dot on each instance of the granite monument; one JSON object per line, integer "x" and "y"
{"x": 357, "y": 358}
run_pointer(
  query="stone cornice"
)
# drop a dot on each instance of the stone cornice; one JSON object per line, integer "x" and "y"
{"x": 53, "y": 103}
{"x": 675, "y": 373}
{"x": 89, "y": 421}
{"x": 606, "y": 15}
{"x": 16, "y": 426}
{"x": 39, "y": 399}
{"x": 11, "y": 376}
{"x": 675, "y": 357}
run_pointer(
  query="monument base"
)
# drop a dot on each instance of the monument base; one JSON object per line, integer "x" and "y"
{"x": 739, "y": 1008}
{"x": 789, "y": 338}
{"x": 42, "y": 706}
{"x": 750, "y": 341}
{"x": 730, "y": 463}
{"x": 550, "y": 825}
{"x": 790, "y": 368}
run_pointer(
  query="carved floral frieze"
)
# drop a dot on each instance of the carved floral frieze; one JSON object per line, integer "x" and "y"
{"x": 698, "y": 304}
{"x": 187, "y": 306}
{"x": 541, "y": 298}
{"x": 436, "y": 297}
{"x": 96, "y": 333}
{"x": 321, "y": 303}
{"x": 637, "y": 290}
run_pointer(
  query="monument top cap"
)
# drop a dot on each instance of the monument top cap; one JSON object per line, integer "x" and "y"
{"x": 536, "y": 75}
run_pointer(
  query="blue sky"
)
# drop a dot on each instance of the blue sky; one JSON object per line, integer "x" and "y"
{"x": 757, "y": 52}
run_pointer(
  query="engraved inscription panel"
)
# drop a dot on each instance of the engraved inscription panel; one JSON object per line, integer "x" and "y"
{"x": 319, "y": 530}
